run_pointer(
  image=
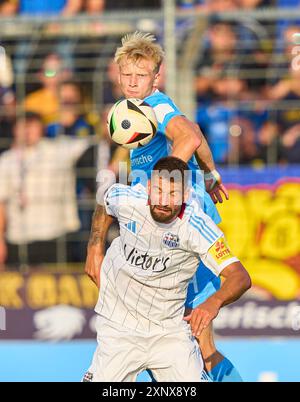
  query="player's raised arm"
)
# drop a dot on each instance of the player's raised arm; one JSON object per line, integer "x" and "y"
{"x": 96, "y": 245}
{"x": 208, "y": 241}
{"x": 188, "y": 140}
{"x": 236, "y": 282}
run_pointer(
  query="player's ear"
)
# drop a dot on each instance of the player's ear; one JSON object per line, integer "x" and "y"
{"x": 156, "y": 80}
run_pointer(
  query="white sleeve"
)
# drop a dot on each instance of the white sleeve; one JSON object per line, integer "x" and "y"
{"x": 116, "y": 196}
{"x": 209, "y": 243}
{"x": 218, "y": 256}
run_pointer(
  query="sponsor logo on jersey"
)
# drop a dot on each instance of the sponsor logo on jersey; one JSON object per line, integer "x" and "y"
{"x": 170, "y": 240}
{"x": 141, "y": 160}
{"x": 144, "y": 260}
{"x": 220, "y": 251}
{"x": 131, "y": 226}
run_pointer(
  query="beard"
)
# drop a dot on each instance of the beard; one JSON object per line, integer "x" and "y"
{"x": 164, "y": 214}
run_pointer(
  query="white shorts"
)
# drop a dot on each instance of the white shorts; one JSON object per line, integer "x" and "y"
{"x": 122, "y": 354}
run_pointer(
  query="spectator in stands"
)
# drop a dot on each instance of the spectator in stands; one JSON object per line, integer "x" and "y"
{"x": 26, "y": 49}
{"x": 132, "y": 4}
{"x": 219, "y": 6}
{"x": 269, "y": 147}
{"x": 218, "y": 80}
{"x": 45, "y": 101}
{"x": 94, "y": 7}
{"x": 7, "y": 100}
{"x": 71, "y": 117}
{"x": 7, "y": 117}
{"x": 6, "y": 70}
{"x": 243, "y": 147}
{"x": 285, "y": 23}
{"x": 188, "y": 4}
{"x": 253, "y": 4}
{"x": 37, "y": 194}
{"x": 222, "y": 78}
{"x": 223, "y": 5}
{"x": 39, "y": 7}
{"x": 219, "y": 55}
{"x": 8, "y": 7}
{"x": 283, "y": 94}
{"x": 287, "y": 115}
{"x": 285, "y": 50}
{"x": 74, "y": 122}
{"x": 291, "y": 144}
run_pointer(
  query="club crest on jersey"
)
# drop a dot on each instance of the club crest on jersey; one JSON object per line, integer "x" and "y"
{"x": 88, "y": 377}
{"x": 170, "y": 240}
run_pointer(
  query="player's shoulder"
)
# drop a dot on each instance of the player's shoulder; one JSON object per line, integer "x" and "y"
{"x": 199, "y": 222}
{"x": 157, "y": 97}
{"x": 137, "y": 191}
{"x": 164, "y": 108}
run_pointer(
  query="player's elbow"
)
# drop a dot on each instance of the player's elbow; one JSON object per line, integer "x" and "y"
{"x": 246, "y": 282}
{"x": 195, "y": 139}
{"x": 198, "y": 135}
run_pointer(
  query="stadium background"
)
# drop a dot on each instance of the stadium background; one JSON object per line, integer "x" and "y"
{"x": 225, "y": 64}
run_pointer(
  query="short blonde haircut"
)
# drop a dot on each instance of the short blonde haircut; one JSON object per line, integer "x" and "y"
{"x": 137, "y": 46}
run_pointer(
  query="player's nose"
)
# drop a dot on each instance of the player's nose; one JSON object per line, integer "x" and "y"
{"x": 133, "y": 81}
{"x": 165, "y": 199}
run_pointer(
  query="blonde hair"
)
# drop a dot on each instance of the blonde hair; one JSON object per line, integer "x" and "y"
{"x": 137, "y": 46}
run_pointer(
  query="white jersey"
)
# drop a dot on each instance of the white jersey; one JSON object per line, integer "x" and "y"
{"x": 146, "y": 270}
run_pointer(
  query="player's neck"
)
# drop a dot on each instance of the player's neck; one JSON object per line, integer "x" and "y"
{"x": 153, "y": 91}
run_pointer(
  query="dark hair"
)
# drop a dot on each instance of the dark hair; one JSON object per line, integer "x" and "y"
{"x": 170, "y": 165}
{"x": 28, "y": 116}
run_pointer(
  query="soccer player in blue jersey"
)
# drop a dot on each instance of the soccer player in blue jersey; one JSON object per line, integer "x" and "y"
{"x": 139, "y": 59}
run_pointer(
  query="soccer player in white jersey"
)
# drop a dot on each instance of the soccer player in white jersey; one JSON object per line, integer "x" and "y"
{"x": 139, "y": 59}
{"x": 144, "y": 278}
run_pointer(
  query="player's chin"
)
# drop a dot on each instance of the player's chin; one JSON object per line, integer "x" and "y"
{"x": 133, "y": 94}
{"x": 162, "y": 215}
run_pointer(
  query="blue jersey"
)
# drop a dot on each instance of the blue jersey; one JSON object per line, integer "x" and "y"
{"x": 144, "y": 158}
{"x": 41, "y": 6}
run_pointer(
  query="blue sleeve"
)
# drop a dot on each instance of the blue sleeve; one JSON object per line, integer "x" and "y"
{"x": 210, "y": 209}
{"x": 164, "y": 108}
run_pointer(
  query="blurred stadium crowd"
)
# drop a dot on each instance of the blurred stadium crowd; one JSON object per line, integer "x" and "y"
{"x": 57, "y": 84}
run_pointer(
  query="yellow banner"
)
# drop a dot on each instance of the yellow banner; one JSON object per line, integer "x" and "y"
{"x": 262, "y": 227}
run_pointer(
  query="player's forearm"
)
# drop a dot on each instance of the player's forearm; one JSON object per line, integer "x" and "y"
{"x": 185, "y": 137}
{"x": 184, "y": 148}
{"x": 100, "y": 225}
{"x": 234, "y": 286}
{"x": 204, "y": 156}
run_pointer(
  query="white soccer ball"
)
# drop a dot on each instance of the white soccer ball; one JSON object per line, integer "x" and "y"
{"x": 131, "y": 123}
